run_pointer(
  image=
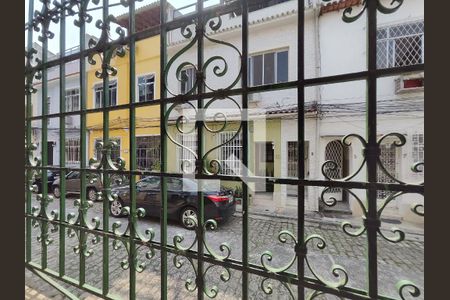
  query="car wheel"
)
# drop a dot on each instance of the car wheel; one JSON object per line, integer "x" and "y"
{"x": 115, "y": 208}
{"x": 91, "y": 194}
{"x": 186, "y": 215}
{"x": 56, "y": 192}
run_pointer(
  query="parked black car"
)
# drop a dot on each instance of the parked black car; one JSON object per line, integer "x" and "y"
{"x": 51, "y": 177}
{"x": 181, "y": 200}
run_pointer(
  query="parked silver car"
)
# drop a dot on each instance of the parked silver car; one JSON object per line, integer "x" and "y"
{"x": 73, "y": 184}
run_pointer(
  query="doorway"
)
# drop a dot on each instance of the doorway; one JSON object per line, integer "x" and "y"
{"x": 264, "y": 165}
{"x": 50, "y": 146}
{"x": 336, "y": 152}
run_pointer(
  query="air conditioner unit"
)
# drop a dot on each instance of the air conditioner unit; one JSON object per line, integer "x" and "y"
{"x": 409, "y": 83}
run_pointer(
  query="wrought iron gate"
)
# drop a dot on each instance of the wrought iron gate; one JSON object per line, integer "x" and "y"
{"x": 199, "y": 254}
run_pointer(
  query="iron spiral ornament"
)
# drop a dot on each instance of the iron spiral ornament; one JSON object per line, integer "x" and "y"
{"x": 218, "y": 64}
{"x": 348, "y": 16}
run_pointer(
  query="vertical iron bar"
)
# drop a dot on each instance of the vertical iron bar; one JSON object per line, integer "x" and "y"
{"x": 105, "y": 177}
{"x": 163, "y": 155}
{"x": 83, "y": 148}
{"x": 132, "y": 138}
{"x": 199, "y": 165}
{"x": 62, "y": 144}
{"x": 44, "y": 141}
{"x": 301, "y": 248}
{"x": 244, "y": 119}
{"x": 28, "y": 136}
{"x": 372, "y": 151}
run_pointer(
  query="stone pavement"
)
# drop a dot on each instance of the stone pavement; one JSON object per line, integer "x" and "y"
{"x": 396, "y": 261}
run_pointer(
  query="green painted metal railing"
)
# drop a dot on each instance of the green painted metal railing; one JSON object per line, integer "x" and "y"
{"x": 89, "y": 232}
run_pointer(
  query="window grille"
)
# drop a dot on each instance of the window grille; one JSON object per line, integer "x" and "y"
{"x": 72, "y": 100}
{"x": 73, "y": 150}
{"x": 99, "y": 94}
{"x": 418, "y": 142}
{"x": 400, "y": 45}
{"x": 146, "y": 87}
{"x": 148, "y": 152}
{"x": 334, "y": 152}
{"x": 268, "y": 68}
{"x": 230, "y": 154}
{"x": 292, "y": 158}
{"x": 185, "y": 157}
{"x": 388, "y": 158}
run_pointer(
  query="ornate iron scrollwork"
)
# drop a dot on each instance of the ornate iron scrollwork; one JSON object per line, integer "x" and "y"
{"x": 178, "y": 262}
{"x": 348, "y": 17}
{"x": 337, "y": 270}
{"x": 187, "y": 33}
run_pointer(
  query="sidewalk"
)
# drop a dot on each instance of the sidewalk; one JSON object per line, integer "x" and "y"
{"x": 413, "y": 231}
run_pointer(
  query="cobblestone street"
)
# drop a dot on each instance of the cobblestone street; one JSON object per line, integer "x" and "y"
{"x": 396, "y": 261}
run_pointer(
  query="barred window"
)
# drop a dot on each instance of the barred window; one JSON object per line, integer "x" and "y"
{"x": 400, "y": 45}
{"x": 115, "y": 152}
{"x": 388, "y": 156}
{"x": 268, "y": 68}
{"x": 146, "y": 86}
{"x": 72, "y": 100}
{"x": 73, "y": 150}
{"x": 292, "y": 164}
{"x": 187, "y": 80}
{"x": 148, "y": 152}
{"x": 418, "y": 143}
{"x": 185, "y": 157}
{"x": 230, "y": 154}
{"x": 98, "y": 89}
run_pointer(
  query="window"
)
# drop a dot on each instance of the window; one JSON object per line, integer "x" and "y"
{"x": 99, "y": 94}
{"x": 188, "y": 80}
{"x": 185, "y": 157}
{"x": 292, "y": 148}
{"x": 400, "y": 45}
{"x": 148, "y": 183}
{"x": 73, "y": 175}
{"x": 253, "y": 5}
{"x": 268, "y": 68}
{"x": 146, "y": 87}
{"x": 48, "y": 106}
{"x": 73, "y": 150}
{"x": 115, "y": 152}
{"x": 388, "y": 157}
{"x": 230, "y": 154}
{"x": 418, "y": 143}
{"x": 148, "y": 152}
{"x": 72, "y": 100}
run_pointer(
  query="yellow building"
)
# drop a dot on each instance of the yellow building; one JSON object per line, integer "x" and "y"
{"x": 147, "y": 89}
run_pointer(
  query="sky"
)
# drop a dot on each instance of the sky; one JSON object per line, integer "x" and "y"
{"x": 72, "y": 32}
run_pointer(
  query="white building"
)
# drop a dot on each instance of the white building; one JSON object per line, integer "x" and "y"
{"x": 332, "y": 47}
{"x": 72, "y": 122}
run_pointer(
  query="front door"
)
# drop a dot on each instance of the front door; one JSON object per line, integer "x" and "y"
{"x": 264, "y": 165}
{"x": 50, "y": 146}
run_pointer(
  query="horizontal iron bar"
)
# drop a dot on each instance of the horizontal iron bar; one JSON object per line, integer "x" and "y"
{"x": 412, "y": 188}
